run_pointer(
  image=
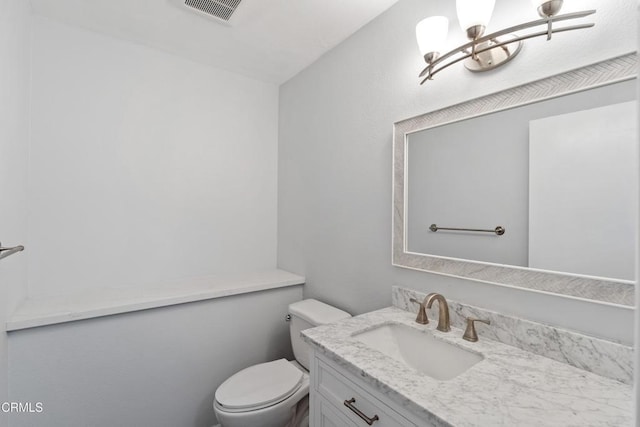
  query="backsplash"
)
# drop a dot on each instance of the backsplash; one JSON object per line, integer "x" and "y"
{"x": 606, "y": 358}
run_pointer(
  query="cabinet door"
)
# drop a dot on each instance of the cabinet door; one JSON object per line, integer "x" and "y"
{"x": 334, "y": 387}
{"x": 327, "y": 416}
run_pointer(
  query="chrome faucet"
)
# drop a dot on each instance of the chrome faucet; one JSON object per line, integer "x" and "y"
{"x": 443, "y": 311}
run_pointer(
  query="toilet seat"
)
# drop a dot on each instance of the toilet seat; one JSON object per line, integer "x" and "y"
{"x": 259, "y": 386}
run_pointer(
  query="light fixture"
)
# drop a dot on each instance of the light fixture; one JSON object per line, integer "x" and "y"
{"x": 432, "y": 35}
{"x": 485, "y": 52}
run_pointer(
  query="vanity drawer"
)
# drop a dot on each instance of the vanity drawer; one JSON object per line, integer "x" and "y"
{"x": 337, "y": 389}
{"x": 328, "y": 416}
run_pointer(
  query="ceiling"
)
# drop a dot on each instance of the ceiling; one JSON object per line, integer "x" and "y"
{"x": 269, "y": 40}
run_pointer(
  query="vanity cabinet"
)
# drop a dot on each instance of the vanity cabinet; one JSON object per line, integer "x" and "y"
{"x": 509, "y": 387}
{"x": 328, "y": 416}
{"x": 332, "y": 386}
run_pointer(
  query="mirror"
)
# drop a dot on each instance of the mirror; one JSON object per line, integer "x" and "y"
{"x": 558, "y": 176}
{"x": 531, "y": 161}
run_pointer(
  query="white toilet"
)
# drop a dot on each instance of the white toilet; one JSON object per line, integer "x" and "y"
{"x": 274, "y": 394}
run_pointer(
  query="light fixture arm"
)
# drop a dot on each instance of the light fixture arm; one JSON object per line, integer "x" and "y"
{"x": 432, "y": 68}
{"x": 514, "y": 40}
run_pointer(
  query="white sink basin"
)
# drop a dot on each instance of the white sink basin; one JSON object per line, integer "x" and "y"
{"x": 419, "y": 350}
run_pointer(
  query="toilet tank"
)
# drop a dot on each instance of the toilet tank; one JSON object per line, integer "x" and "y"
{"x": 307, "y": 314}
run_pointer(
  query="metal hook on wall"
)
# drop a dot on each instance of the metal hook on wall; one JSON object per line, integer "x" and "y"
{"x": 5, "y": 252}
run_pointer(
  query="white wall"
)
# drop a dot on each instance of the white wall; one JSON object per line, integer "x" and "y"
{"x": 585, "y": 161}
{"x": 14, "y": 134}
{"x": 144, "y": 166}
{"x": 335, "y": 156}
{"x": 637, "y": 328}
{"x": 157, "y": 367}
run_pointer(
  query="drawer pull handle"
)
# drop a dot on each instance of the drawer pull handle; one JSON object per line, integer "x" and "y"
{"x": 349, "y": 404}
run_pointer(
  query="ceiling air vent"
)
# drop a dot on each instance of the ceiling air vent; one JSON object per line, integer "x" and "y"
{"x": 220, "y": 9}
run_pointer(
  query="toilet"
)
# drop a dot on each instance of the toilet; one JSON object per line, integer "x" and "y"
{"x": 275, "y": 394}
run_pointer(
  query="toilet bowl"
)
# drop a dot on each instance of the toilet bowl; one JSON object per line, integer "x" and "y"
{"x": 275, "y": 394}
{"x": 268, "y": 393}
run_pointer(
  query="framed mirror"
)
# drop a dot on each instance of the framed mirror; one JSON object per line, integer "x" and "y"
{"x": 533, "y": 187}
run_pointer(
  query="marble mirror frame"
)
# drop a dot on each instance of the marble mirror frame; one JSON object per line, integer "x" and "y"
{"x": 613, "y": 292}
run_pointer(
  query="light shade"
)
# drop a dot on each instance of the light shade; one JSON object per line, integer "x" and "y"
{"x": 474, "y": 12}
{"x": 432, "y": 34}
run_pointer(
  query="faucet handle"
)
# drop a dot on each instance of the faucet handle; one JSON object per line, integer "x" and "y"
{"x": 470, "y": 333}
{"x": 422, "y": 313}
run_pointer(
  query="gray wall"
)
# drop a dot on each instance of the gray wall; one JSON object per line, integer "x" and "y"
{"x": 14, "y": 134}
{"x": 335, "y": 157}
{"x": 460, "y": 178}
{"x": 157, "y": 367}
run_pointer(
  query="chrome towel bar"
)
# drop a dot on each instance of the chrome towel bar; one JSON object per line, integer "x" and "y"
{"x": 499, "y": 230}
{"x": 5, "y": 252}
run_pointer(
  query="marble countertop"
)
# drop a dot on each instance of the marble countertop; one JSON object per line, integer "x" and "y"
{"x": 510, "y": 387}
{"x": 35, "y": 312}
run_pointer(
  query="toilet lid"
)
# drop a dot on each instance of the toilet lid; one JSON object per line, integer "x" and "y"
{"x": 259, "y": 385}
